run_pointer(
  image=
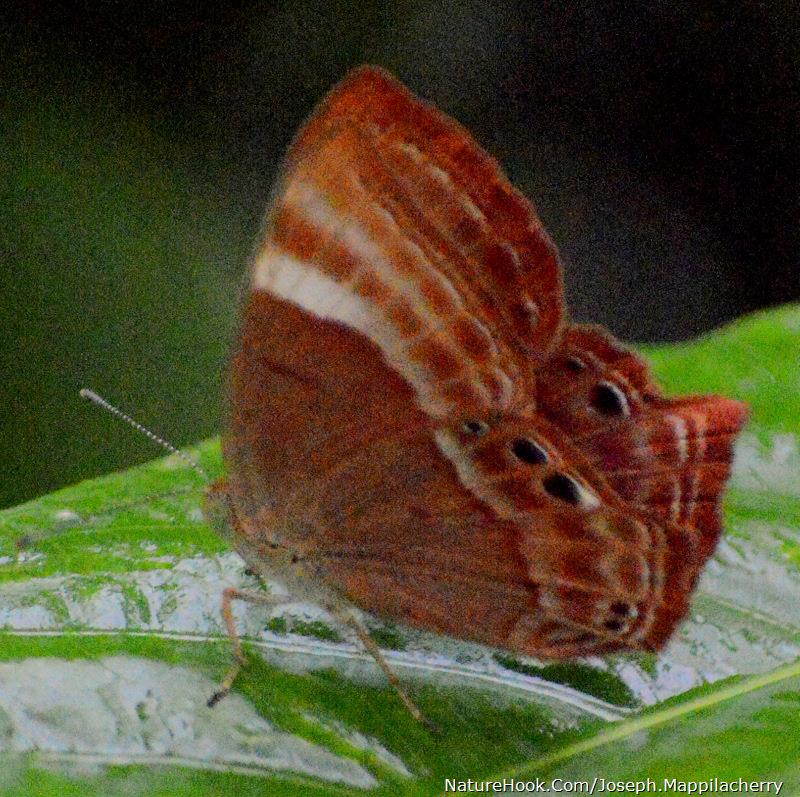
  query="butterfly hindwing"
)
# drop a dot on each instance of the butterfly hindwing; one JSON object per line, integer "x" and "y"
{"x": 668, "y": 456}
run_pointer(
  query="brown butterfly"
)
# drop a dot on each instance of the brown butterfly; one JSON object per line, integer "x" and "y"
{"x": 415, "y": 428}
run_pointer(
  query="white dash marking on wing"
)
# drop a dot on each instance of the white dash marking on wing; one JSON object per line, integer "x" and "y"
{"x": 700, "y": 427}
{"x": 440, "y": 175}
{"x": 675, "y": 506}
{"x": 681, "y": 437}
{"x": 587, "y": 499}
{"x": 468, "y": 474}
{"x": 473, "y": 210}
{"x": 412, "y": 151}
{"x": 306, "y": 284}
{"x": 302, "y": 284}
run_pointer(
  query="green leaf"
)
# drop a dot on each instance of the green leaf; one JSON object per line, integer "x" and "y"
{"x": 741, "y": 729}
{"x": 112, "y": 641}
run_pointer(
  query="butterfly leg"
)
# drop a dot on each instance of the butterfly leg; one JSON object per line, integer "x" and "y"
{"x": 369, "y": 645}
{"x": 229, "y": 595}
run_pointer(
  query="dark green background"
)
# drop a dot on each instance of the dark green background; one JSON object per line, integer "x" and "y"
{"x": 140, "y": 141}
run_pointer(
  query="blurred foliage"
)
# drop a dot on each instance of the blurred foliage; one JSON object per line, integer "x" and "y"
{"x": 110, "y": 262}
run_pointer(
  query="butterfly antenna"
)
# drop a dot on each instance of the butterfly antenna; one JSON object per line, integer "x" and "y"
{"x": 90, "y": 395}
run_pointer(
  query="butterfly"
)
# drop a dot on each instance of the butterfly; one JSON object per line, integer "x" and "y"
{"x": 416, "y": 429}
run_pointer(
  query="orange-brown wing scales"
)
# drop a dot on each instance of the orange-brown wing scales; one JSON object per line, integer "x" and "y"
{"x": 446, "y": 154}
{"x": 363, "y": 491}
{"x": 294, "y": 405}
{"x": 333, "y": 250}
{"x": 680, "y": 570}
{"x": 692, "y": 438}
{"x": 459, "y": 239}
{"x": 671, "y": 457}
{"x": 607, "y": 558}
{"x": 578, "y": 538}
{"x": 464, "y": 607}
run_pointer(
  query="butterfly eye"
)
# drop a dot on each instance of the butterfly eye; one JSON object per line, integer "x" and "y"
{"x": 475, "y": 427}
{"x": 526, "y": 450}
{"x": 609, "y": 400}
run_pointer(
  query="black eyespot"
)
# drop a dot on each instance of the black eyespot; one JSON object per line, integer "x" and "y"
{"x": 528, "y": 451}
{"x": 478, "y": 428}
{"x": 614, "y": 625}
{"x": 561, "y": 486}
{"x": 621, "y": 608}
{"x": 608, "y": 399}
{"x": 575, "y": 364}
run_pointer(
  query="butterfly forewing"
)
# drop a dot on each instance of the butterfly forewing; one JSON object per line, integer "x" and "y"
{"x": 337, "y": 252}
